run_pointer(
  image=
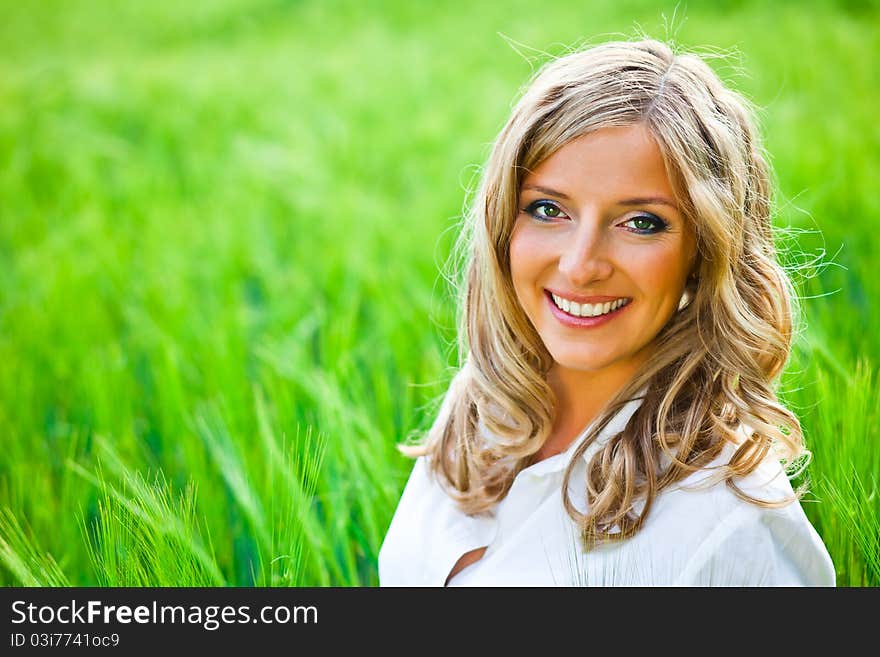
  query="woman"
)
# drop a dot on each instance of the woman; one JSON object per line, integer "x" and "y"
{"x": 626, "y": 320}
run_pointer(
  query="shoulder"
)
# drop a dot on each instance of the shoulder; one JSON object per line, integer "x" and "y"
{"x": 736, "y": 542}
{"x": 427, "y": 530}
{"x": 412, "y": 509}
{"x": 421, "y": 489}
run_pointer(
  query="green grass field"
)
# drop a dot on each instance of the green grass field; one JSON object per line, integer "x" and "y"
{"x": 222, "y": 227}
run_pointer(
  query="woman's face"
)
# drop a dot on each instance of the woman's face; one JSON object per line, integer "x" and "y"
{"x": 600, "y": 253}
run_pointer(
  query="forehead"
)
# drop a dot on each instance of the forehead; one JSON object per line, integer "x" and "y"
{"x": 612, "y": 161}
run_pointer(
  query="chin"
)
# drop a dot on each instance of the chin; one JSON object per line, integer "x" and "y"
{"x": 581, "y": 362}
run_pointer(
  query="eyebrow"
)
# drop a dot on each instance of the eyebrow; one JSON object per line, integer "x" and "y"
{"x": 642, "y": 200}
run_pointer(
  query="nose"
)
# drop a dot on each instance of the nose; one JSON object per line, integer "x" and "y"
{"x": 585, "y": 259}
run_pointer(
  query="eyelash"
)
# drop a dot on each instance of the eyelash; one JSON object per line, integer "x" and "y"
{"x": 659, "y": 224}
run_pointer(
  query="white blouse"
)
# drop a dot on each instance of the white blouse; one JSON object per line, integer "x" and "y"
{"x": 698, "y": 537}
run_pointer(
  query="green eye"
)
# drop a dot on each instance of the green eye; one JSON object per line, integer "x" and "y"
{"x": 646, "y": 224}
{"x": 545, "y": 210}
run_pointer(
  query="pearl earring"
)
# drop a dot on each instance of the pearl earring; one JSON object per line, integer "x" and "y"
{"x": 685, "y": 300}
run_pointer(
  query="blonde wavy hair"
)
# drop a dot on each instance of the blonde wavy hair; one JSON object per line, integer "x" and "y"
{"x": 716, "y": 362}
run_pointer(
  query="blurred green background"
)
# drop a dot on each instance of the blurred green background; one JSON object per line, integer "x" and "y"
{"x": 222, "y": 227}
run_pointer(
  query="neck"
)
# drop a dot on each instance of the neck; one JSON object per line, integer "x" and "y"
{"x": 581, "y": 395}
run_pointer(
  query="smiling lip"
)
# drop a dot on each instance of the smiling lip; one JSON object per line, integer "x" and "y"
{"x": 584, "y": 322}
{"x": 582, "y": 299}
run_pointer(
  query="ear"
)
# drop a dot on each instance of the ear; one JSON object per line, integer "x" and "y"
{"x": 696, "y": 262}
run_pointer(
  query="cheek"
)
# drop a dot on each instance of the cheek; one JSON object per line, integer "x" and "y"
{"x": 532, "y": 250}
{"x": 522, "y": 259}
{"x": 662, "y": 270}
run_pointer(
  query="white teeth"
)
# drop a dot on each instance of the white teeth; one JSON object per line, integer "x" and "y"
{"x": 587, "y": 309}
